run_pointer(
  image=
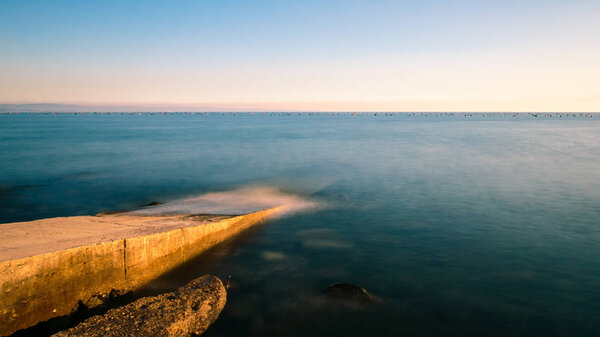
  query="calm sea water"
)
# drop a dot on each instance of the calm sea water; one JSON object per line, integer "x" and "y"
{"x": 462, "y": 226}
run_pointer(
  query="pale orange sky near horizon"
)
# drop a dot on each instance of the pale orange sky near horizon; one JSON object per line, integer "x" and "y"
{"x": 530, "y": 56}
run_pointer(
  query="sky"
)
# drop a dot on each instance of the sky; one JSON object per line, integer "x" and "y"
{"x": 304, "y": 55}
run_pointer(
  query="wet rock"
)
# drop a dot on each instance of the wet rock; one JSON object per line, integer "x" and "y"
{"x": 188, "y": 311}
{"x": 348, "y": 293}
{"x": 114, "y": 294}
{"x": 101, "y": 299}
{"x": 96, "y": 300}
{"x": 154, "y": 203}
{"x": 111, "y": 212}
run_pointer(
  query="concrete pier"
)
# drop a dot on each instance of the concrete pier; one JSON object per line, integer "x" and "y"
{"x": 49, "y": 267}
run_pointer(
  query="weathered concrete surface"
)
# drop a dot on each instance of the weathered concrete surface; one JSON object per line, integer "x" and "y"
{"x": 23, "y": 239}
{"x": 37, "y": 288}
{"x": 188, "y": 311}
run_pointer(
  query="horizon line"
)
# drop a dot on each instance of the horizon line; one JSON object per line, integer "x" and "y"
{"x": 41, "y": 107}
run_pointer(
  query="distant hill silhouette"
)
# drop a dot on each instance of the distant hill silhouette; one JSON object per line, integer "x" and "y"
{"x": 49, "y": 107}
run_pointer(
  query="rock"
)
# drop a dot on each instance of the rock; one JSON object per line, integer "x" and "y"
{"x": 348, "y": 293}
{"x": 154, "y": 203}
{"x": 114, "y": 294}
{"x": 101, "y": 299}
{"x": 111, "y": 212}
{"x": 188, "y": 311}
{"x": 96, "y": 300}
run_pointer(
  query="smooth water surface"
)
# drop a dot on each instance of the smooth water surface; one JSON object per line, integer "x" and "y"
{"x": 461, "y": 225}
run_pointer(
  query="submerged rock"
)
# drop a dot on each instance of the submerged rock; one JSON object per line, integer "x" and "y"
{"x": 188, "y": 311}
{"x": 348, "y": 293}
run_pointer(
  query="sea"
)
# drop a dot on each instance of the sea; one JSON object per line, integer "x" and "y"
{"x": 458, "y": 224}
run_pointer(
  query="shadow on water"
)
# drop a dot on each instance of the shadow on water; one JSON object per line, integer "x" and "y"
{"x": 199, "y": 265}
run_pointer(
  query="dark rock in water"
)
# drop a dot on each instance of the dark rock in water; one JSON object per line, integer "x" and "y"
{"x": 101, "y": 299}
{"x": 350, "y": 293}
{"x": 96, "y": 300}
{"x": 111, "y": 212}
{"x": 154, "y": 203}
{"x": 114, "y": 294}
{"x": 188, "y": 311}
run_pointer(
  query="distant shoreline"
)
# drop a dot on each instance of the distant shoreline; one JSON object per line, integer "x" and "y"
{"x": 80, "y": 108}
{"x": 312, "y": 114}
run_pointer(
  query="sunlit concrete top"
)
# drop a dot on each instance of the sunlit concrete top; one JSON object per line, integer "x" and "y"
{"x": 23, "y": 239}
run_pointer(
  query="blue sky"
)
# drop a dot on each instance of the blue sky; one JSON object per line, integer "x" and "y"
{"x": 315, "y": 55}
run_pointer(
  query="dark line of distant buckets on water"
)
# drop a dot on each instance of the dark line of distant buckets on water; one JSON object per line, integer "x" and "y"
{"x": 336, "y": 114}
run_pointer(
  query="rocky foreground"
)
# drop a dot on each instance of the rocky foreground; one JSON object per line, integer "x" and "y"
{"x": 188, "y": 311}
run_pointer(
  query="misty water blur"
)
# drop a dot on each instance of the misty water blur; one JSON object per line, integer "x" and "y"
{"x": 464, "y": 226}
{"x": 237, "y": 201}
